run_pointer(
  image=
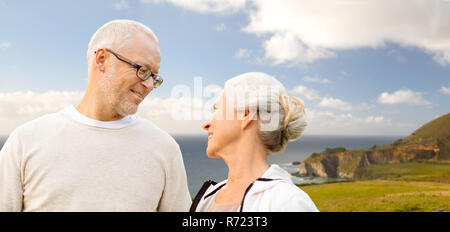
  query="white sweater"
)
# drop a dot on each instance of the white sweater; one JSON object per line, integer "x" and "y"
{"x": 273, "y": 192}
{"x": 67, "y": 162}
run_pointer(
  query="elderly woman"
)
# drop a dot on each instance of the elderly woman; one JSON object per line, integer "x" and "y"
{"x": 252, "y": 119}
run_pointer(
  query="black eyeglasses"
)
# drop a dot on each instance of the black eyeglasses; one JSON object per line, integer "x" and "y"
{"x": 141, "y": 71}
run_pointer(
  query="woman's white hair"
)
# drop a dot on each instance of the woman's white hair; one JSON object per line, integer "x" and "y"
{"x": 116, "y": 35}
{"x": 282, "y": 118}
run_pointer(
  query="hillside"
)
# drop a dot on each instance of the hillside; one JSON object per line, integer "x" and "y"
{"x": 401, "y": 187}
{"x": 436, "y": 132}
{"x": 429, "y": 142}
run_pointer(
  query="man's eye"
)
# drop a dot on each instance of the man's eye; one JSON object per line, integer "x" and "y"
{"x": 142, "y": 71}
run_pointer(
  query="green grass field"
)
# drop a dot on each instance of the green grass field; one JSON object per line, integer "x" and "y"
{"x": 404, "y": 187}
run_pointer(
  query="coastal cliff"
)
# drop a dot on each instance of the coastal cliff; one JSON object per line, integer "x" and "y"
{"x": 344, "y": 164}
{"x": 430, "y": 142}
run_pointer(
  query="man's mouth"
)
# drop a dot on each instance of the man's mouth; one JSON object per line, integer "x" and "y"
{"x": 140, "y": 96}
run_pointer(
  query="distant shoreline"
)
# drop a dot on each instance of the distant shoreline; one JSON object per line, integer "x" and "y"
{"x": 305, "y": 135}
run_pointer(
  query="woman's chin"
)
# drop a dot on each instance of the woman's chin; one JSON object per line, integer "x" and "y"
{"x": 210, "y": 153}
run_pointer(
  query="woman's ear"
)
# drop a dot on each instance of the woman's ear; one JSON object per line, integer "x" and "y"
{"x": 249, "y": 117}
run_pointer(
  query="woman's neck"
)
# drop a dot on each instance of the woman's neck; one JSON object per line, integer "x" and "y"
{"x": 246, "y": 163}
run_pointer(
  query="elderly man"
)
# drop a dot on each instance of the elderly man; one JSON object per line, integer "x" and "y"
{"x": 98, "y": 156}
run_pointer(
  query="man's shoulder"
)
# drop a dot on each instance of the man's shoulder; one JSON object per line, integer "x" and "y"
{"x": 150, "y": 128}
{"x": 45, "y": 122}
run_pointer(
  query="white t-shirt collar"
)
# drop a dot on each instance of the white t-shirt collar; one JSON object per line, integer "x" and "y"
{"x": 72, "y": 113}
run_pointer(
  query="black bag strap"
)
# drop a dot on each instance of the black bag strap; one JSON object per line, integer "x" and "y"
{"x": 200, "y": 194}
{"x": 208, "y": 183}
{"x": 266, "y": 179}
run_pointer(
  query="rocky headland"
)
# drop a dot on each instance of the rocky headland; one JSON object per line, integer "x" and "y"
{"x": 430, "y": 142}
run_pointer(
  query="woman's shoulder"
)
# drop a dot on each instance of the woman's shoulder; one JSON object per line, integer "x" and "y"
{"x": 285, "y": 196}
{"x": 286, "y": 188}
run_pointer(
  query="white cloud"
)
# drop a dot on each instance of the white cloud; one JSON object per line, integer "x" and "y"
{"x": 316, "y": 79}
{"x": 403, "y": 97}
{"x": 397, "y": 56}
{"x": 182, "y": 115}
{"x": 242, "y": 53}
{"x": 19, "y": 107}
{"x": 122, "y": 4}
{"x": 329, "y": 123}
{"x": 342, "y": 105}
{"x": 19, "y": 104}
{"x": 302, "y": 31}
{"x": 335, "y": 103}
{"x": 329, "y": 26}
{"x": 374, "y": 119}
{"x": 306, "y": 92}
{"x": 176, "y": 115}
{"x": 5, "y": 45}
{"x": 445, "y": 90}
{"x": 205, "y": 6}
{"x": 284, "y": 48}
{"x": 221, "y": 27}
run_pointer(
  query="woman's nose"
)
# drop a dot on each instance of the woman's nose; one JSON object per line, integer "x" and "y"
{"x": 206, "y": 126}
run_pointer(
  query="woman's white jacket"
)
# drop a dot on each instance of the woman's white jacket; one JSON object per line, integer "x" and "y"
{"x": 273, "y": 192}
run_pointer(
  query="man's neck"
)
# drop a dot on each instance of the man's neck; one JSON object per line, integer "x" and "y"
{"x": 92, "y": 107}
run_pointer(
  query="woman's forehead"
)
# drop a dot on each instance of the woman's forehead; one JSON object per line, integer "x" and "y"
{"x": 220, "y": 99}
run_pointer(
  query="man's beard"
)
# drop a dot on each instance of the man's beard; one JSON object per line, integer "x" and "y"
{"x": 110, "y": 89}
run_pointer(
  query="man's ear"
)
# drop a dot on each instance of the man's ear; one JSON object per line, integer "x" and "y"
{"x": 100, "y": 58}
{"x": 249, "y": 117}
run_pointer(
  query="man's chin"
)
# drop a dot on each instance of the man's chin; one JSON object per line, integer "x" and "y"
{"x": 127, "y": 108}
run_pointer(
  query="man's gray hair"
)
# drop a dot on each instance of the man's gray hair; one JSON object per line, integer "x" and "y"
{"x": 116, "y": 35}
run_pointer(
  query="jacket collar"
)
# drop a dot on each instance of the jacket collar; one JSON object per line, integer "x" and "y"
{"x": 271, "y": 177}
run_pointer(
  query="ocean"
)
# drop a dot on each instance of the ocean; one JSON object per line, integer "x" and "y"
{"x": 200, "y": 168}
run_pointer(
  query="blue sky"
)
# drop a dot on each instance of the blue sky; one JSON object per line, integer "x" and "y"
{"x": 369, "y": 72}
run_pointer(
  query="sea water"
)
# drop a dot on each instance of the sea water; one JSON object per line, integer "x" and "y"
{"x": 200, "y": 168}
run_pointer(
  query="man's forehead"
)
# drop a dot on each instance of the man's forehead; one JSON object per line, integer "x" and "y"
{"x": 146, "y": 52}
{"x": 149, "y": 58}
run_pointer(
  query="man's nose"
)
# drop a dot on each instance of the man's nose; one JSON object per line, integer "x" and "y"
{"x": 148, "y": 84}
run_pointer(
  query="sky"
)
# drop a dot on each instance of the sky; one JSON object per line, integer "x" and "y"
{"x": 362, "y": 67}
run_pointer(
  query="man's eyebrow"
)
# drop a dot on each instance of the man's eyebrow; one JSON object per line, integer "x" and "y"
{"x": 147, "y": 66}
